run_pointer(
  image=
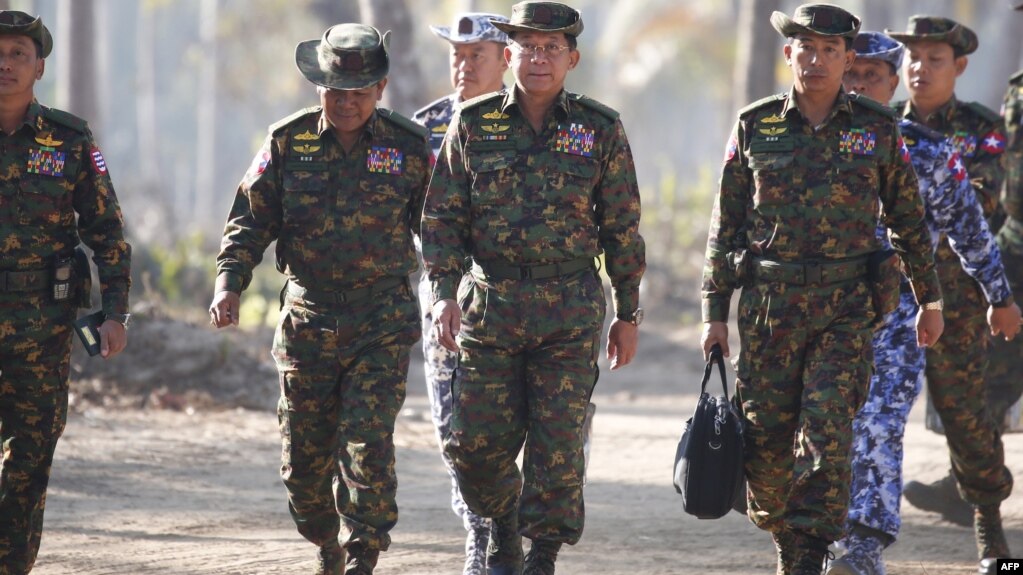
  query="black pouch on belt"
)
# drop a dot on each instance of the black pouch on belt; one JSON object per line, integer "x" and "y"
{"x": 83, "y": 278}
{"x": 884, "y": 270}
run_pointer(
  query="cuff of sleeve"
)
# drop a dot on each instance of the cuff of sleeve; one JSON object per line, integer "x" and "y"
{"x": 1006, "y": 301}
{"x": 626, "y": 299}
{"x": 115, "y": 301}
{"x": 445, "y": 288}
{"x": 714, "y": 309}
{"x": 229, "y": 281}
{"x": 927, "y": 289}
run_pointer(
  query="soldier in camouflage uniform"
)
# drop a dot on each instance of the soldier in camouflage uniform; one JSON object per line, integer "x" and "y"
{"x": 937, "y": 49}
{"x": 805, "y": 177}
{"x": 532, "y": 183}
{"x": 477, "y": 67}
{"x": 52, "y": 175}
{"x": 952, "y": 209}
{"x": 340, "y": 187}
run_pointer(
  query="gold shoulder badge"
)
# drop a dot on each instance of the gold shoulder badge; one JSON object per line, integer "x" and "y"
{"x": 773, "y": 131}
{"x": 48, "y": 141}
{"x": 306, "y": 149}
{"x": 307, "y": 136}
{"x": 773, "y": 119}
{"x": 439, "y": 129}
{"x": 497, "y": 114}
{"x": 495, "y": 128}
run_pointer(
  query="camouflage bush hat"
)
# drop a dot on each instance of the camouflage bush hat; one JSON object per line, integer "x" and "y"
{"x": 347, "y": 57}
{"x": 472, "y": 27}
{"x": 13, "y": 22}
{"x": 532, "y": 16}
{"x": 937, "y": 29}
{"x": 877, "y": 46}
{"x": 823, "y": 19}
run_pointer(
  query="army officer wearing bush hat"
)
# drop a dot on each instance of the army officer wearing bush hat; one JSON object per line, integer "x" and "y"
{"x": 340, "y": 187}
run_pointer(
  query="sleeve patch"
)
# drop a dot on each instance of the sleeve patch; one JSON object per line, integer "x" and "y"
{"x": 98, "y": 162}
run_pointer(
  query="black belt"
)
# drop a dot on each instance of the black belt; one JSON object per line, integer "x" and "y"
{"x": 349, "y": 296}
{"x": 504, "y": 271}
{"x": 34, "y": 280}
{"x": 807, "y": 273}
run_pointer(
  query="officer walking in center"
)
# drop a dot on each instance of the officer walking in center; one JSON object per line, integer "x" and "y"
{"x": 806, "y": 174}
{"x": 477, "y": 67}
{"x": 340, "y": 187}
{"x": 937, "y": 50}
{"x": 532, "y": 184}
{"x": 55, "y": 191}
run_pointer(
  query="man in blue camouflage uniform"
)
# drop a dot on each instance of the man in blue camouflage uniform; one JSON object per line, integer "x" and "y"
{"x": 339, "y": 187}
{"x": 952, "y": 210}
{"x": 937, "y": 55}
{"x": 477, "y": 67}
{"x": 806, "y": 178}
{"x": 532, "y": 183}
{"x": 55, "y": 191}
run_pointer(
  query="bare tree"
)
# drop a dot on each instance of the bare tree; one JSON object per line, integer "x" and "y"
{"x": 76, "y": 66}
{"x": 402, "y": 92}
{"x": 206, "y": 99}
{"x": 755, "y": 57}
{"x": 334, "y": 12}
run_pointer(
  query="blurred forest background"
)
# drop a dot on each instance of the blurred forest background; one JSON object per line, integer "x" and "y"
{"x": 179, "y": 94}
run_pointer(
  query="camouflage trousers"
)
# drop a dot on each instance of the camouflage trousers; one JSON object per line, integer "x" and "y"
{"x": 35, "y": 355}
{"x": 955, "y": 384}
{"x": 803, "y": 372}
{"x": 880, "y": 425}
{"x": 526, "y": 369}
{"x": 343, "y": 370}
{"x": 1005, "y": 358}
{"x": 439, "y": 365}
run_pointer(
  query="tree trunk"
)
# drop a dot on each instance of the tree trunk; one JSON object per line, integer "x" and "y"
{"x": 756, "y": 54}
{"x": 332, "y": 12}
{"x": 203, "y": 199}
{"x": 403, "y": 90}
{"x": 76, "y": 66}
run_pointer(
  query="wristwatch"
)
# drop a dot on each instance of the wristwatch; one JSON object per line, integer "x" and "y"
{"x": 121, "y": 318}
{"x": 934, "y": 305}
{"x": 635, "y": 318}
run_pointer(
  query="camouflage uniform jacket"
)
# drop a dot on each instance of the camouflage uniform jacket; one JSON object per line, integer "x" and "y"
{"x": 952, "y": 209}
{"x": 794, "y": 194}
{"x": 501, "y": 192}
{"x": 1012, "y": 199}
{"x": 979, "y": 136}
{"x": 341, "y": 221}
{"x": 436, "y": 116}
{"x": 52, "y": 170}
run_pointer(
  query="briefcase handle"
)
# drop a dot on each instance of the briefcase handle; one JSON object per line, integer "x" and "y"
{"x": 716, "y": 356}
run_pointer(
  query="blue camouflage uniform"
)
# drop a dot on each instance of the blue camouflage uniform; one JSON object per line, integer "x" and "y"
{"x": 952, "y": 209}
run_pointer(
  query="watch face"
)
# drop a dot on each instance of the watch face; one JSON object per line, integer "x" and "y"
{"x": 637, "y": 318}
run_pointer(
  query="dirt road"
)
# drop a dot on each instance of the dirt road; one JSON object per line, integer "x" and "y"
{"x": 167, "y": 492}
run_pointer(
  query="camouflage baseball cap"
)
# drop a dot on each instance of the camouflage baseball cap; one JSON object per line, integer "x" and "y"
{"x": 877, "y": 46}
{"x": 347, "y": 57}
{"x": 472, "y": 27}
{"x": 937, "y": 29}
{"x": 532, "y": 16}
{"x": 13, "y": 22}
{"x": 822, "y": 19}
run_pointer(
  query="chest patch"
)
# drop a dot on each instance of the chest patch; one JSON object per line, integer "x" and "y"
{"x": 576, "y": 139}
{"x": 857, "y": 141}
{"x": 380, "y": 160}
{"x": 46, "y": 161}
{"x": 965, "y": 143}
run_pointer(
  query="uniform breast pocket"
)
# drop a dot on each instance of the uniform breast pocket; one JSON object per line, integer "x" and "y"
{"x": 385, "y": 199}
{"x": 306, "y": 197}
{"x": 772, "y": 176}
{"x": 856, "y": 183}
{"x": 44, "y": 201}
{"x": 494, "y": 176}
{"x": 572, "y": 183}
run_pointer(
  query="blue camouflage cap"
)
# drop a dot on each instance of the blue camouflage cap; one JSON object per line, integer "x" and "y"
{"x": 472, "y": 27}
{"x": 877, "y": 46}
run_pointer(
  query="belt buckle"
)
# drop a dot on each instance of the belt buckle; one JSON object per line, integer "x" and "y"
{"x": 813, "y": 273}
{"x": 525, "y": 272}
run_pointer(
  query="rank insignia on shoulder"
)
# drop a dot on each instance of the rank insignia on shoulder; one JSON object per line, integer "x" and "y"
{"x": 98, "y": 162}
{"x": 773, "y": 119}
{"x": 993, "y": 143}
{"x": 576, "y": 140}
{"x": 857, "y": 141}
{"x": 307, "y": 136}
{"x": 773, "y": 131}
{"x": 380, "y": 160}
{"x": 497, "y": 114}
{"x": 440, "y": 128}
{"x": 965, "y": 143}
{"x": 495, "y": 128}
{"x": 46, "y": 162}
{"x": 306, "y": 149}
{"x": 48, "y": 141}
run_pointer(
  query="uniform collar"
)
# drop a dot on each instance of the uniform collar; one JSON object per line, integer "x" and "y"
{"x": 842, "y": 104}
{"x": 561, "y": 102}
{"x": 34, "y": 116}
{"x": 371, "y": 127}
{"x": 943, "y": 115}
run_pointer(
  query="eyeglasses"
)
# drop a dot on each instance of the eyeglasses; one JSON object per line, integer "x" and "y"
{"x": 534, "y": 50}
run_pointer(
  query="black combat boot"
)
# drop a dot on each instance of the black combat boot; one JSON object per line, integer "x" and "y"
{"x": 361, "y": 560}
{"x": 810, "y": 555}
{"x": 786, "y": 545}
{"x": 942, "y": 497}
{"x": 476, "y": 551}
{"x": 331, "y": 559}
{"x": 541, "y": 557}
{"x": 991, "y": 544}
{"x": 504, "y": 552}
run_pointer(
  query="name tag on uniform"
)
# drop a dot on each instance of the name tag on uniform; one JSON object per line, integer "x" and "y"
{"x": 857, "y": 141}
{"x": 381, "y": 160}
